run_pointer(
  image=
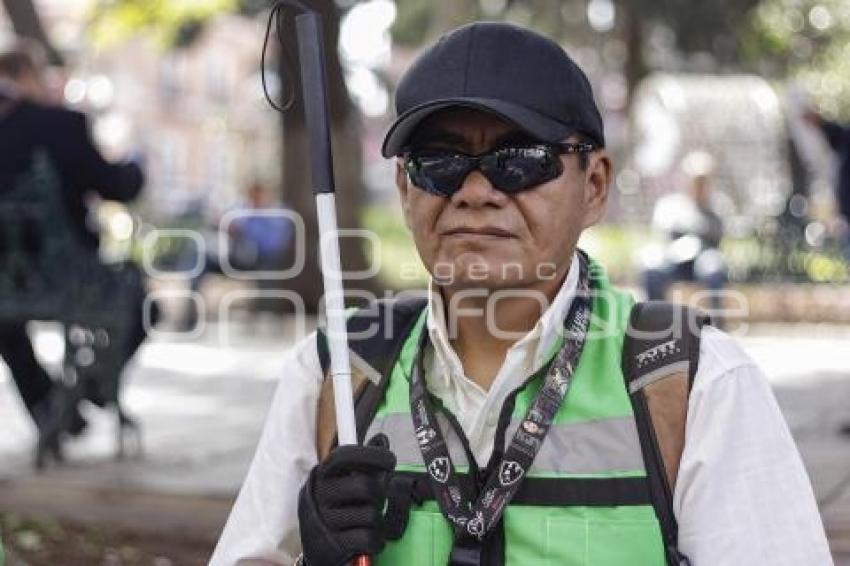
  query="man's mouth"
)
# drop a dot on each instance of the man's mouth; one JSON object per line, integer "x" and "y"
{"x": 479, "y": 231}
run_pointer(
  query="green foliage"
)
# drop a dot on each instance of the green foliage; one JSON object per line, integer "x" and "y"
{"x": 419, "y": 21}
{"x": 710, "y": 26}
{"x": 807, "y": 41}
{"x": 399, "y": 260}
{"x": 412, "y": 23}
{"x": 169, "y": 22}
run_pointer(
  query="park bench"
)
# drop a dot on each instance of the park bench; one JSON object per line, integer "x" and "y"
{"x": 46, "y": 274}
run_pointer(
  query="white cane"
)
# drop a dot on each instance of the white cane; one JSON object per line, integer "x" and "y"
{"x": 308, "y": 26}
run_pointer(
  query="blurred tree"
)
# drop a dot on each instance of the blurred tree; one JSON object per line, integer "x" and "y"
{"x": 707, "y": 29}
{"x": 706, "y": 33}
{"x": 700, "y": 27}
{"x": 175, "y": 23}
{"x": 167, "y": 21}
{"x": 27, "y": 24}
{"x": 420, "y": 21}
{"x": 806, "y": 40}
{"x": 348, "y": 165}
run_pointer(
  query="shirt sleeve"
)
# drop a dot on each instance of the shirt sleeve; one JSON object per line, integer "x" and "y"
{"x": 263, "y": 526}
{"x": 91, "y": 172}
{"x": 742, "y": 494}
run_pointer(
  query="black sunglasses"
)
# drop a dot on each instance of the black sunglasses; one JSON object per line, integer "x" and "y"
{"x": 510, "y": 169}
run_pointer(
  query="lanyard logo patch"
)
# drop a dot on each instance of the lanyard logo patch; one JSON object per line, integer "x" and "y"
{"x": 510, "y": 472}
{"x": 424, "y": 435}
{"x": 530, "y": 426}
{"x": 475, "y": 527}
{"x": 439, "y": 469}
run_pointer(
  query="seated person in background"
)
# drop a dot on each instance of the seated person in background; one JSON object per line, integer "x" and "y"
{"x": 257, "y": 237}
{"x": 692, "y": 231}
{"x": 27, "y": 125}
{"x": 258, "y": 240}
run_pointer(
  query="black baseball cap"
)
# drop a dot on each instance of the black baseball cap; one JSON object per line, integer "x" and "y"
{"x": 511, "y": 71}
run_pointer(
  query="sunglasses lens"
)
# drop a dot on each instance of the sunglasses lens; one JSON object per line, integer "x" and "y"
{"x": 439, "y": 173}
{"x": 509, "y": 169}
{"x": 515, "y": 169}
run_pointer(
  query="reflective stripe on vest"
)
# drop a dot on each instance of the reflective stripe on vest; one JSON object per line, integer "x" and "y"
{"x": 585, "y": 502}
{"x": 595, "y": 447}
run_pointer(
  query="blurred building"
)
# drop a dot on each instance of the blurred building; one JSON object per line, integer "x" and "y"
{"x": 745, "y": 125}
{"x": 196, "y": 114}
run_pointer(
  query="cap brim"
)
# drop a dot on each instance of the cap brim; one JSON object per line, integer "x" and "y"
{"x": 538, "y": 125}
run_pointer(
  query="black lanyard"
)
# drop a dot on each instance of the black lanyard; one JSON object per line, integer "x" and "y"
{"x": 474, "y": 519}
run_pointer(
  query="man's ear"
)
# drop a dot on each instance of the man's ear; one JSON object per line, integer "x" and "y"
{"x": 598, "y": 180}
{"x": 401, "y": 183}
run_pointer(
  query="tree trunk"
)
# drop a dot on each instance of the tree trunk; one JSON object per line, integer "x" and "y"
{"x": 635, "y": 67}
{"x": 296, "y": 190}
{"x": 27, "y": 23}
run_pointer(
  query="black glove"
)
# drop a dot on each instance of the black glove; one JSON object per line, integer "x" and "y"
{"x": 341, "y": 505}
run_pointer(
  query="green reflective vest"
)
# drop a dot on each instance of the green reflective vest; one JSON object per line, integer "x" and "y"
{"x": 584, "y": 502}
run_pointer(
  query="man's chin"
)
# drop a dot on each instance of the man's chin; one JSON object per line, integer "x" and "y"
{"x": 477, "y": 271}
{"x": 471, "y": 284}
{"x": 491, "y": 281}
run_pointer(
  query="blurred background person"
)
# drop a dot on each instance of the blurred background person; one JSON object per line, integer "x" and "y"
{"x": 21, "y": 76}
{"x": 257, "y": 237}
{"x": 692, "y": 232}
{"x": 838, "y": 137}
{"x": 27, "y": 126}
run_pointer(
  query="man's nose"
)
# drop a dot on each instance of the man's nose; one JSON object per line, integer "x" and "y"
{"x": 477, "y": 191}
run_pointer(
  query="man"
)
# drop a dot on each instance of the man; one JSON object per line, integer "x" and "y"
{"x": 838, "y": 137}
{"x": 500, "y": 167}
{"x": 27, "y": 125}
{"x": 692, "y": 230}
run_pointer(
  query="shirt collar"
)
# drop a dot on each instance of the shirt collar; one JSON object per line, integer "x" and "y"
{"x": 534, "y": 348}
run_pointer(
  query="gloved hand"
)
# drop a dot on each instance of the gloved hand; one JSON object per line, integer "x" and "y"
{"x": 340, "y": 507}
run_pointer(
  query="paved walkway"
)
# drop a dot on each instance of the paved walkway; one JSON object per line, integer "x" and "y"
{"x": 202, "y": 403}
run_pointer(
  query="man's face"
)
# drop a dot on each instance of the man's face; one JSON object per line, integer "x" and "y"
{"x": 483, "y": 238}
{"x": 31, "y": 86}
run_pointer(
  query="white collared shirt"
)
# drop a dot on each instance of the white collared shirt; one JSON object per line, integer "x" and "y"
{"x": 477, "y": 410}
{"x": 742, "y": 494}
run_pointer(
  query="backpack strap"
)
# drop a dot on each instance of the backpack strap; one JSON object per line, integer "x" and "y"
{"x": 660, "y": 358}
{"x": 376, "y": 335}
